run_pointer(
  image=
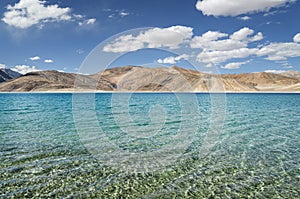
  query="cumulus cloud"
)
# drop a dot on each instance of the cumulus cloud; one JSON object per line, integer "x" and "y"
{"x": 280, "y": 51}
{"x": 2, "y": 66}
{"x": 211, "y": 48}
{"x": 27, "y": 13}
{"x": 167, "y": 60}
{"x": 244, "y": 34}
{"x": 217, "y": 57}
{"x": 172, "y": 60}
{"x": 237, "y": 7}
{"x": 35, "y": 58}
{"x": 125, "y": 43}
{"x": 225, "y": 44}
{"x": 170, "y": 37}
{"x": 214, "y": 40}
{"x": 87, "y": 22}
{"x": 235, "y": 65}
{"x": 23, "y": 69}
{"x": 48, "y": 61}
{"x": 166, "y": 37}
{"x": 297, "y": 38}
{"x": 218, "y": 47}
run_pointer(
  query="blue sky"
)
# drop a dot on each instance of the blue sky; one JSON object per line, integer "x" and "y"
{"x": 235, "y": 37}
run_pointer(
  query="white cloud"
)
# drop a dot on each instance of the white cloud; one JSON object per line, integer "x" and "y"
{"x": 235, "y": 65}
{"x": 87, "y": 22}
{"x": 166, "y": 37}
{"x": 219, "y": 47}
{"x": 216, "y": 57}
{"x": 213, "y": 35}
{"x": 285, "y": 64}
{"x": 48, "y": 61}
{"x": 275, "y": 71}
{"x": 35, "y": 58}
{"x": 117, "y": 13}
{"x": 170, "y": 37}
{"x": 23, "y": 69}
{"x": 276, "y": 11}
{"x": 237, "y": 7}
{"x": 167, "y": 60}
{"x": 78, "y": 16}
{"x": 259, "y": 36}
{"x": 91, "y": 21}
{"x": 210, "y": 41}
{"x": 245, "y": 18}
{"x": 213, "y": 40}
{"x": 27, "y": 13}
{"x": 280, "y": 51}
{"x": 297, "y": 38}
{"x": 123, "y": 13}
{"x": 183, "y": 56}
{"x": 172, "y": 60}
{"x": 211, "y": 48}
{"x": 244, "y": 33}
{"x": 125, "y": 43}
{"x": 2, "y": 66}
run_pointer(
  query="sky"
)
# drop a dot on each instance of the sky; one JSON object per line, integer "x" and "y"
{"x": 224, "y": 36}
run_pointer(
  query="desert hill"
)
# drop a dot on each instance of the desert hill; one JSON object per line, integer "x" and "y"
{"x": 135, "y": 78}
{"x": 291, "y": 73}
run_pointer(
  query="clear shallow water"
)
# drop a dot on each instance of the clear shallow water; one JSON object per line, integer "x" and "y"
{"x": 249, "y": 148}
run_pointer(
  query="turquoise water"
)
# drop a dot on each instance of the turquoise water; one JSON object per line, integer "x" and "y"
{"x": 150, "y": 145}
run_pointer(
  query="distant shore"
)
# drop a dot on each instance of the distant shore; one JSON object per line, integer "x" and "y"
{"x": 159, "y": 92}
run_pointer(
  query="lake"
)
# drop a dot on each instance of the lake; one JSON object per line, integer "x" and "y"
{"x": 149, "y": 145}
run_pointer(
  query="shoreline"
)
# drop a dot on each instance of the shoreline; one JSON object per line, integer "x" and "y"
{"x": 154, "y": 92}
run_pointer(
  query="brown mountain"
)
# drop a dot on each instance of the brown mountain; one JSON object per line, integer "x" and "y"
{"x": 135, "y": 78}
{"x": 291, "y": 73}
{"x": 267, "y": 81}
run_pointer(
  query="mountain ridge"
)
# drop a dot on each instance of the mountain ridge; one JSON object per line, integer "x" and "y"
{"x": 8, "y": 74}
{"x": 137, "y": 78}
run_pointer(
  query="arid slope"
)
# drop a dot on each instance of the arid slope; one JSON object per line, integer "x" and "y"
{"x": 135, "y": 78}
